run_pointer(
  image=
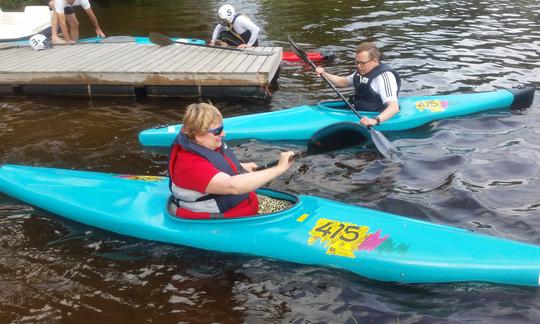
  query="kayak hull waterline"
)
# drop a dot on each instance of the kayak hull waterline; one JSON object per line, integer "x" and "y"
{"x": 314, "y": 231}
{"x": 300, "y": 123}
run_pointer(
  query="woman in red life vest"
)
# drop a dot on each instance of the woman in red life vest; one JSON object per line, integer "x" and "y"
{"x": 207, "y": 181}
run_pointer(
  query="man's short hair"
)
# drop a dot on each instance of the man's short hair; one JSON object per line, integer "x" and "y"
{"x": 369, "y": 47}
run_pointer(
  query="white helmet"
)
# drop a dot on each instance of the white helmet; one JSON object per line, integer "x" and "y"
{"x": 226, "y": 12}
{"x": 39, "y": 42}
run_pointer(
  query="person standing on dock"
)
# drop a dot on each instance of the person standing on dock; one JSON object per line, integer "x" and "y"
{"x": 206, "y": 179}
{"x": 63, "y": 16}
{"x": 235, "y": 29}
{"x": 376, "y": 85}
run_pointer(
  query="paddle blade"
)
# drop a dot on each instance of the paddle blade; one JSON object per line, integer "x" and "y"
{"x": 299, "y": 51}
{"x": 384, "y": 146}
{"x": 337, "y": 136}
{"x": 160, "y": 39}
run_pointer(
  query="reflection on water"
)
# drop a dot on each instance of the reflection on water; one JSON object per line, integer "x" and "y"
{"x": 478, "y": 172}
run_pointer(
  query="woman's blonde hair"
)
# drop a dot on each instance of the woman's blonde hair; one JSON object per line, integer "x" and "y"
{"x": 198, "y": 119}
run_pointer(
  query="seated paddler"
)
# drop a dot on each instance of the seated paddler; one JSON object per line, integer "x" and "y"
{"x": 207, "y": 180}
{"x": 376, "y": 84}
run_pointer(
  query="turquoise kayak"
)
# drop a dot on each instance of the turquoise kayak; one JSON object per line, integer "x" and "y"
{"x": 120, "y": 39}
{"x": 138, "y": 40}
{"x": 300, "y": 123}
{"x": 314, "y": 231}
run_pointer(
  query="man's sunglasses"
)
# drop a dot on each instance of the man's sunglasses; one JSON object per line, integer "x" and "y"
{"x": 216, "y": 131}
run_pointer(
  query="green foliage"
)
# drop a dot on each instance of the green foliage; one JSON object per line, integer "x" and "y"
{"x": 19, "y": 4}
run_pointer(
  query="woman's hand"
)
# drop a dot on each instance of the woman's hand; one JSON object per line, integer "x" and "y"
{"x": 285, "y": 160}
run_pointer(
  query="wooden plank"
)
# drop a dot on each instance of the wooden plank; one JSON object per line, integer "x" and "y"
{"x": 178, "y": 66}
{"x": 177, "y": 54}
{"x": 120, "y": 53}
{"x": 88, "y": 59}
{"x": 137, "y": 58}
{"x": 60, "y": 56}
{"x": 191, "y": 67}
{"x": 246, "y": 63}
{"x": 234, "y": 63}
{"x": 257, "y": 64}
{"x": 119, "y": 58}
{"x": 219, "y": 66}
{"x": 52, "y": 59}
{"x": 33, "y": 59}
{"x": 213, "y": 60}
{"x": 10, "y": 56}
{"x": 147, "y": 59}
{"x": 76, "y": 59}
{"x": 159, "y": 58}
{"x": 272, "y": 66}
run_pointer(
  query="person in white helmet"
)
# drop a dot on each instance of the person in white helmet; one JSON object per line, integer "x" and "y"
{"x": 64, "y": 17}
{"x": 235, "y": 29}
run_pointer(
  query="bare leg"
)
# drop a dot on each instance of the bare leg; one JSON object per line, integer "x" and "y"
{"x": 54, "y": 26}
{"x": 73, "y": 25}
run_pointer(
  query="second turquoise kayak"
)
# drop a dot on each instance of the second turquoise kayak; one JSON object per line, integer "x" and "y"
{"x": 300, "y": 123}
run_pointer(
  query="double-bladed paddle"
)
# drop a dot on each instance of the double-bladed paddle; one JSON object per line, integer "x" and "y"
{"x": 331, "y": 138}
{"x": 164, "y": 40}
{"x": 381, "y": 142}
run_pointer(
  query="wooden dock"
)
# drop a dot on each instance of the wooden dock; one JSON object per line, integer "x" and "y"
{"x": 129, "y": 69}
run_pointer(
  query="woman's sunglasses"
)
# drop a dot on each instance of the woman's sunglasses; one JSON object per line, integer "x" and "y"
{"x": 216, "y": 131}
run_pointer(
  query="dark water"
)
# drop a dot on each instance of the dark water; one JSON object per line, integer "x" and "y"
{"x": 479, "y": 172}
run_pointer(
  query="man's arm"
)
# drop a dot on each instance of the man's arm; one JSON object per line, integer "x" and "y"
{"x": 94, "y": 22}
{"x": 249, "y": 25}
{"x": 215, "y": 34}
{"x": 338, "y": 81}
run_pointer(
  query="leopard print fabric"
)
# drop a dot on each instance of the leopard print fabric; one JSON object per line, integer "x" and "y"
{"x": 269, "y": 205}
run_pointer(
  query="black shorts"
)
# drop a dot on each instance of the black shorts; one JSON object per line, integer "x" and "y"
{"x": 68, "y": 11}
{"x": 233, "y": 40}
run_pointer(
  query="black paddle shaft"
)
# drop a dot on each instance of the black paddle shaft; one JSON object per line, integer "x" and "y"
{"x": 303, "y": 55}
{"x": 327, "y": 139}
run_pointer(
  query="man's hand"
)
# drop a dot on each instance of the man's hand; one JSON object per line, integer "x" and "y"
{"x": 368, "y": 121}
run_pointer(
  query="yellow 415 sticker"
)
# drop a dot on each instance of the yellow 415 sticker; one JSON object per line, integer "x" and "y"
{"x": 433, "y": 105}
{"x": 343, "y": 238}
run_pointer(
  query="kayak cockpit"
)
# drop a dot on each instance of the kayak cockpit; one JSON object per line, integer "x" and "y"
{"x": 271, "y": 202}
{"x": 340, "y": 106}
